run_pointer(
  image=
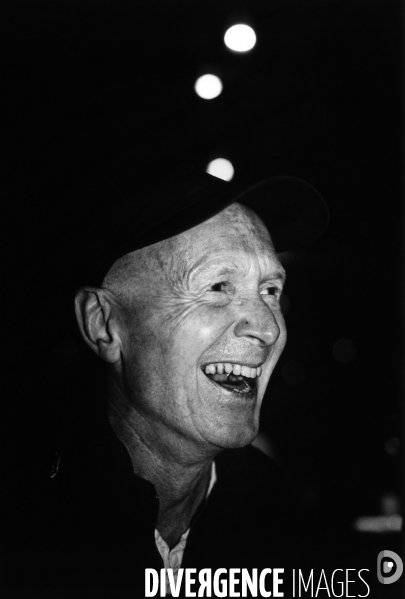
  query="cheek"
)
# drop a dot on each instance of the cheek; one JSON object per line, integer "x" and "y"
{"x": 283, "y": 330}
{"x": 199, "y": 331}
{"x": 172, "y": 338}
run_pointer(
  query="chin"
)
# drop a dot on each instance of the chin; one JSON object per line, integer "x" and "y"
{"x": 234, "y": 439}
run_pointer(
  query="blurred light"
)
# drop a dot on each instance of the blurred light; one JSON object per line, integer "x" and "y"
{"x": 208, "y": 87}
{"x": 390, "y": 504}
{"x": 392, "y": 523}
{"x": 392, "y": 446}
{"x": 221, "y": 168}
{"x": 240, "y": 38}
{"x": 293, "y": 372}
{"x": 344, "y": 351}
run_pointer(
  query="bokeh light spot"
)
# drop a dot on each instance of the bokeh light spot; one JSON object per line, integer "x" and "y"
{"x": 221, "y": 168}
{"x": 208, "y": 87}
{"x": 392, "y": 446}
{"x": 240, "y": 38}
{"x": 379, "y": 524}
{"x": 390, "y": 504}
{"x": 344, "y": 351}
{"x": 293, "y": 372}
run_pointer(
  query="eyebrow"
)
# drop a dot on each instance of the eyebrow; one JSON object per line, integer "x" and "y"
{"x": 279, "y": 274}
{"x": 228, "y": 271}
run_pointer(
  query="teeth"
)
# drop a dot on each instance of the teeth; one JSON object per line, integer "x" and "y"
{"x": 246, "y": 371}
{"x": 237, "y": 369}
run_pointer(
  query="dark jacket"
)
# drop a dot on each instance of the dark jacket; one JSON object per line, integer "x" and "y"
{"x": 87, "y": 525}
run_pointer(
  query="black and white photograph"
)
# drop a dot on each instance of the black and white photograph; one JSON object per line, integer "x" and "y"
{"x": 202, "y": 299}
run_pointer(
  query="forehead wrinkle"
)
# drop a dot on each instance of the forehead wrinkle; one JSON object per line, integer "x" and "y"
{"x": 247, "y": 222}
{"x": 134, "y": 273}
{"x": 243, "y": 231}
{"x": 175, "y": 257}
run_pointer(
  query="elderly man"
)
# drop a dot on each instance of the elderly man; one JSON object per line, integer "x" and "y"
{"x": 186, "y": 319}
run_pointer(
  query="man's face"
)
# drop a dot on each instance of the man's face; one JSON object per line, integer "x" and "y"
{"x": 202, "y": 330}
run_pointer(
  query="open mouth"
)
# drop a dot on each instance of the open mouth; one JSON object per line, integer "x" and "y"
{"x": 236, "y": 378}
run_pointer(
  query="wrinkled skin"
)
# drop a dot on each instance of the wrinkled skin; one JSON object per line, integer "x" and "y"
{"x": 208, "y": 295}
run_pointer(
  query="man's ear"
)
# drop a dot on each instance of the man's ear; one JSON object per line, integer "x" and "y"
{"x": 94, "y": 314}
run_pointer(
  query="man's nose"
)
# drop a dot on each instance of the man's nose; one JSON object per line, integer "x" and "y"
{"x": 257, "y": 322}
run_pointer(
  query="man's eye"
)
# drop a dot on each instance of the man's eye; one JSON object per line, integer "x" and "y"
{"x": 273, "y": 291}
{"x": 218, "y": 287}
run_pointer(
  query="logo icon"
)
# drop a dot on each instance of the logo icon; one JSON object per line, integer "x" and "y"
{"x": 389, "y": 562}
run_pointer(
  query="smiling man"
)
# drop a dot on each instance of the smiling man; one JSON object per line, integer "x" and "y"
{"x": 192, "y": 329}
{"x": 182, "y": 306}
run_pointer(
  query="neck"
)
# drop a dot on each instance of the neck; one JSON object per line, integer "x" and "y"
{"x": 179, "y": 471}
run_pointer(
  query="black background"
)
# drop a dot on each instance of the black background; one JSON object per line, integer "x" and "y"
{"x": 319, "y": 97}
